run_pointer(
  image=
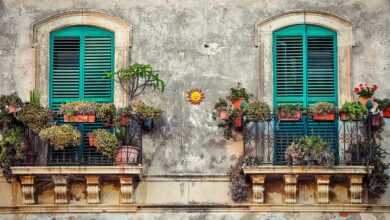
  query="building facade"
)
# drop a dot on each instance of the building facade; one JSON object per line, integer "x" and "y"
{"x": 274, "y": 48}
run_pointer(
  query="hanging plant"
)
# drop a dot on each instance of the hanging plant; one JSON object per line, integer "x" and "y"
{"x": 10, "y": 103}
{"x": 61, "y": 136}
{"x": 238, "y": 96}
{"x": 105, "y": 142}
{"x": 105, "y": 112}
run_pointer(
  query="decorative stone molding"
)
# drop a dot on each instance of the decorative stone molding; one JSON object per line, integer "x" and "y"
{"x": 258, "y": 188}
{"x": 60, "y": 189}
{"x": 28, "y": 189}
{"x": 264, "y": 30}
{"x": 290, "y": 188}
{"x": 356, "y": 188}
{"x": 93, "y": 189}
{"x": 40, "y": 42}
{"x": 126, "y": 189}
{"x": 323, "y": 188}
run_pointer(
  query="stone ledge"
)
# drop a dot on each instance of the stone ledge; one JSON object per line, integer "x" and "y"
{"x": 320, "y": 170}
{"x": 77, "y": 170}
{"x": 174, "y": 208}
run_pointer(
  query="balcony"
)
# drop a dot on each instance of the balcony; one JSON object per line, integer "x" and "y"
{"x": 350, "y": 141}
{"x": 43, "y": 164}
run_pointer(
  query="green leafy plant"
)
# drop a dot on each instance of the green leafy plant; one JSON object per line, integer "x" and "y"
{"x": 239, "y": 186}
{"x": 383, "y": 103}
{"x": 105, "y": 142}
{"x": 146, "y": 111}
{"x": 34, "y": 116}
{"x": 238, "y": 92}
{"x": 309, "y": 150}
{"x": 106, "y": 112}
{"x": 289, "y": 109}
{"x": 135, "y": 79}
{"x": 322, "y": 108}
{"x": 61, "y": 136}
{"x": 353, "y": 110}
{"x": 221, "y": 104}
{"x": 35, "y": 98}
{"x": 78, "y": 108}
{"x": 257, "y": 110}
{"x": 10, "y": 103}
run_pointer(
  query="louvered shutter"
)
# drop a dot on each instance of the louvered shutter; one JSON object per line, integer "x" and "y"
{"x": 65, "y": 70}
{"x": 304, "y": 73}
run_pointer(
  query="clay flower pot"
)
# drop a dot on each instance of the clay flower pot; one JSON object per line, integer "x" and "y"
{"x": 324, "y": 117}
{"x": 12, "y": 108}
{"x": 124, "y": 120}
{"x": 237, "y": 103}
{"x": 79, "y": 118}
{"x": 386, "y": 112}
{"x": 91, "y": 139}
{"x": 364, "y": 99}
{"x": 289, "y": 117}
{"x": 344, "y": 116}
{"x": 127, "y": 155}
{"x": 223, "y": 115}
{"x": 238, "y": 122}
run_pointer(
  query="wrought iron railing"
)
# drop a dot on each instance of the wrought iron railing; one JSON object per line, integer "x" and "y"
{"x": 43, "y": 154}
{"x": 351, "y": 143}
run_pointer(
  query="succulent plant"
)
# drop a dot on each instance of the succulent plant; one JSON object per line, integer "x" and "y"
{"x": 61, "y": 136}
{"x": 257, "y": 110}
{"x": 105, "y": 142}
{"x": 78, "y": 108}
{"x": 106, "y": 112}
{"x": 146, "y": 111}
{"x": 34, "y": 116}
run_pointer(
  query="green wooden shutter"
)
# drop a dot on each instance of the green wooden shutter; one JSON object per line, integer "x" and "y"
{"x": 305, "y": 67}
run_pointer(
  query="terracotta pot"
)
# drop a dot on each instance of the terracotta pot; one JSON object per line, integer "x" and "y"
{"x": 324, "y": 117}
{"x": 363, "y": 100}
{"x": 344, "y": 116}
{"x": 91, "y": 139}
{"x": 79, "y": 118}
{"x": 223, "y": 115}
{"x": 127, "y": 155}
{"x": 91, "y": 118}
{"x": 376, "y": 120}
{"x": 288, "y": 117}
{"x": 124, "y": 120}
{"x": 386, "y": 112}
{"x": 237, "y": 122}
{"x": 237, "y": 103}
{"x": 12, "y": 108}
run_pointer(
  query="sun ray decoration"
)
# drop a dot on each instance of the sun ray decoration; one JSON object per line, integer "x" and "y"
{"x": 195, "y": 96}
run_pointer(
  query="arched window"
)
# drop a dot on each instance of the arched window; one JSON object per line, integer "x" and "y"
{"x": 304, "y": 72}
{"x": 79, "y": 58}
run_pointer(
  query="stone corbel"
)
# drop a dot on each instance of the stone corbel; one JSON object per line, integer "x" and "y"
{"x": 93, "y": 189}
{"x": 290, "y": 188}
{"x": 28, "y": 189}
{"x": 356, "y": 188}
{"x": 258, "y": 188}
{"x": 323, "y": 188}
{"x": 60, "y": 189}
{"x": 127, "y": 189}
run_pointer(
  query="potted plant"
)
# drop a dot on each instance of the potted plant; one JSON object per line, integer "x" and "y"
{"x": 105, "y": 142}
{"x": 323, "y": 111}
{"x": 126, "y": 153}
{"x": 384, "y": 106}
{"x": 365, "y": 92}
{"x": 147, "y": 114}
{"x": 10, "y": 103}
{"x": 105, "y": 112}
{"x": 289, "y": 112}
{"x": 124, "y": 115}
{"x": 34, "y": 116}
{"x": 309, "y": 150}
{"x": 78, "y": 111}
{"x": 352, "y": 111}
{"x": 257, "y": 111}
{"x": 238, "y": 95}
{"x": 221, "y": 109}
{"x": 61, "y": 136}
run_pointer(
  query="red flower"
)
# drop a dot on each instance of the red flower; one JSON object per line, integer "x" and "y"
{"x": 361, "y": 85}
{"x": 374, "y": 87}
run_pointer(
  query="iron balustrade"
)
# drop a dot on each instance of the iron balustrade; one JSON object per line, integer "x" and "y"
{"x": 352, "y": 144}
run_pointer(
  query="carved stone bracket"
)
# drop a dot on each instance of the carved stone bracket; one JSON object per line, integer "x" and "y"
{"x": 356, "y": 188}
{"x": 323, "y": 188}
{"x": 60, "y": 189}
{"x": 258, "y": 188}
{"x": 127, "y": 189}
{"x": 93, "y": 189}
{"x": 290, "y": 188}
{"x": 28, "y": 189}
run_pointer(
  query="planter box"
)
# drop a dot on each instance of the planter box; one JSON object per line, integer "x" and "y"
{"x": 324, "y": 117}
{"x": 288, "y": 117}
{"x": 79, "y": 118}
